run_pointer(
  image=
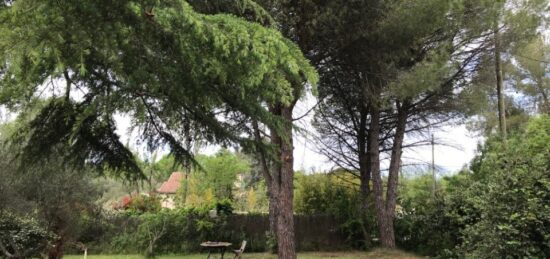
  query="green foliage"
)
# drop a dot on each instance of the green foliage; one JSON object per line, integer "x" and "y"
{"x": 214, "y": 180}
{"x": 220, "y": 171}
{"x": 88, "y": 138}
{"x": 325, "y": 194}
{"x": 23, "y": 237}
{"x": 224, "y": 207}
{"x": 337, "y": 195}
{"x": 248, "y": 9}
{"x": 165, "y": 166}
{"x": 271, "y": 242}
{"x": 513, "y": 201}
{"x": 166, "y": 231}
{"x": 253, "y": 199}
{"x": 159, "y": 62}
{"x": 143, "y": 203}
{"x": 531, "y": 73}
{"x": 499, "y": 209}
{"x": 424, "y": 224}
{"x": 182, "y": 231}
{"x": 56, "y": 194}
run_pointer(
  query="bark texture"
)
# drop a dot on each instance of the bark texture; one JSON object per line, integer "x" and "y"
{"x": 365, "y": 176}
{"x": 385, "y": 204}
{"x": 285, "y": 218}
{"x": 280, "y": 180}
{"x": 500, "y": 86}
{"x": 387, "y": 232}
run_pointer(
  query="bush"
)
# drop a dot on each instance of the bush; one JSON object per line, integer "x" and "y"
{"x": 143, "y": 203}
{"x": 336, "y": 195}
{"x": 224, "y": 207}
{"x": 182, "y": 231}
{"x": 512, "y": 203}
{"x": 499, "y": 209}
{"x": 165, "y": 231}
{"x": 22, "y": 237}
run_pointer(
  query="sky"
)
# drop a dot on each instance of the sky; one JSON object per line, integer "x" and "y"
{"x": 458, "y": 149}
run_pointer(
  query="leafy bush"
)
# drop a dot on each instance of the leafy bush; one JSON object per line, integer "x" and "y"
{"x": 499, "y": 209}
{"x": 143, "y": 203}
{"x": 513, "y": 202}
{"x": 22, "y": 237}
{"x": 271, "y": 242}
{"x": 224, "y": 207}
{"x": 337, "y": 195}
{"x": 424, "y": 224}
{"x": 165, "y": 231}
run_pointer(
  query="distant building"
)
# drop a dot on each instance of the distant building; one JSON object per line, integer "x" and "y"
{"x": 168, "y": 189}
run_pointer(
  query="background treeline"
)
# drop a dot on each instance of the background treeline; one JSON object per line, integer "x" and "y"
{"x": 498, "y": 206}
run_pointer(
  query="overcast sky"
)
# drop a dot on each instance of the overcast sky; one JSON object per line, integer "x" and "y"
{"x": 447, "y": 159}
{"x": 460, "y": 146}
{"x": 459, "y": 149}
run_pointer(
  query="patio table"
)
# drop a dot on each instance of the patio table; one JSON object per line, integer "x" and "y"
{"x": 213, "y": 246}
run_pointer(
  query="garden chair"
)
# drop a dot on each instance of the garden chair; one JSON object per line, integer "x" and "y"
{"x": 240, "y": 252}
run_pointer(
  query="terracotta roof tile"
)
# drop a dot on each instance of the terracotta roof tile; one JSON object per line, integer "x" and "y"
{"x": 172, "y": 184}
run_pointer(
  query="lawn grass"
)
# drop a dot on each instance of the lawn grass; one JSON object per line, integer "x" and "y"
{"x": 376, "y": 253}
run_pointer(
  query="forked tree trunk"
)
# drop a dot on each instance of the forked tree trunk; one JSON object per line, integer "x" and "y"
{"x": 385, "y": 208}
{"x": 377, "y": 185}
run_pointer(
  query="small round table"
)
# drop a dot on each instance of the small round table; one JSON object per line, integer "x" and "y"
{"x": 212, "y": 246}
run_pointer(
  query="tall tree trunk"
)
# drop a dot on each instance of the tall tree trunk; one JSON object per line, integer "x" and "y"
{"x": 364, "y": 165}
{"x": 387, "y": 232}
{"x": 272, "y": 194}
{"x": 187, "y": 163}
{"x": 374, "y": 158}
{"x": 365, "y": 176}
{"x": 500, "y": 86}
{"x": 282, "y": 189}
{"x": 272, "y": 189}
{"x": 285, "y": 217}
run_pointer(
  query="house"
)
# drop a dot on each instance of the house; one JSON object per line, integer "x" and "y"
{"x": 168, "y": 189}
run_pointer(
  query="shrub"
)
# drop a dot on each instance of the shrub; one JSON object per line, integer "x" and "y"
{"x": 22, "y": 237}
{"x": 143, "y": 203}
{"x": 336, "y": 195}
{"x": 499, "y": 209}
{"x": 424, "y": 224}
{"x": 514, "y": 215}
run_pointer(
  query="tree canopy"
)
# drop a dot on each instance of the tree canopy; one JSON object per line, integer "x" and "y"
{"x": 162, "y": 63}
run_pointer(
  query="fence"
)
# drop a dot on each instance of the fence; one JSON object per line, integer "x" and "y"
{"x": 121, "y": 234}
{"x": 313, "y": 232}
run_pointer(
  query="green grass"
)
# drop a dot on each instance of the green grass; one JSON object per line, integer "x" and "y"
{"x": 377, "y": 253}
